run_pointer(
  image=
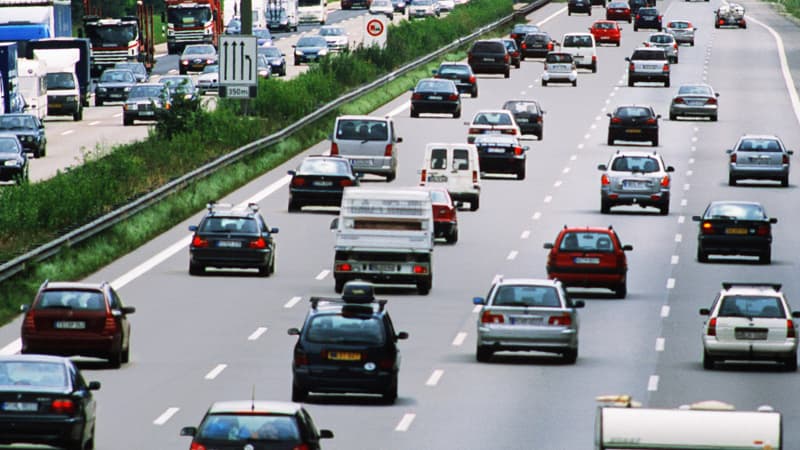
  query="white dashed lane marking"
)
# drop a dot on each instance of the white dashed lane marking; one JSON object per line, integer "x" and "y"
{"x": 322, "y": 275}
{"x": 652, "y": 383}
{"x": 512, "y": 255}
{"x": 165, "y": 416}
{"x": 548, "y": 199}
{"x": 292, "y": 301}
{"x": 13, "y": 348}
{"x": 671, "y": 283}
{"x": 433, "y": 380}
{"x": 459, "y": 339}
{"x": 405, "y": 422}
{"x": 214, "y": 373}
{"x": 681, "y": 219}
{"x": 257, "y": 334}
{"x": 674, "y": 259}
{"x": 678, "y": 237}
{"x": 525, "y": 234}
{"x": 67, "y": 132}
{"x": 665, "y": 311}
{"x": 660, "y": 344}
{"x": 537, "y": 215}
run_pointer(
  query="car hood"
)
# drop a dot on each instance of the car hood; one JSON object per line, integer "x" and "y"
{"x": 311, "y": 49}
{"x": 10, "y": 157}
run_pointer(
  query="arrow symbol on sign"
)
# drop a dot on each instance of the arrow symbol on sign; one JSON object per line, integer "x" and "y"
{"x": 249, "y": 66}
{"x": 233, "y": 66}
{"x": 241, "y": 69}
{"x": 225, "y": 57}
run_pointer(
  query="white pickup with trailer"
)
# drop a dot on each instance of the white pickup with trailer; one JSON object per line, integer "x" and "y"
{"x": 709, "y": 425}
{"x": 384, "y": 236}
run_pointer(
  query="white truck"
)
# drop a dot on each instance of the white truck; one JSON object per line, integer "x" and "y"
{"x": 33, "y": 85}
{"x": 63, "y": 87}
{"x": 282, "y": 15}
{"x": 384, "y": 236}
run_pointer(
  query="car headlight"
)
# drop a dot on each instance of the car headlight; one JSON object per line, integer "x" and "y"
{"x": 101, "y": 89}
{"x": 170, "y": 32}
{"x": 131, "y": 106}
{"x": 298, "y": 53}
{"x": 323, "y": 52}
{"x": 263, "y": 73}
{"x": 127, "y": 88}
{"x": 73, "y": 98}
{"x": 12, "y": 163}
{"x": 210, "y": 61}
{"x": 27, "y": 138}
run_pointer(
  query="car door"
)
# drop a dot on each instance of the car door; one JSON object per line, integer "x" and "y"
{"x": 438, "y": 159}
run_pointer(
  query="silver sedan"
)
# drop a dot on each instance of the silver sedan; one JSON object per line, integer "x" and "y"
{"x": 664, "y": 41}
{"x": 696, "y": 100}
{"x": 683, "y": 30}
{"x": 528, "y": 315}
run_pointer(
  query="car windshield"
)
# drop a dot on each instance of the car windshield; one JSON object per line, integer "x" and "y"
{"x": 586, "y": 241}
{"x": 199, "y": 50}
{"x": 558, "y": 58}
{"x": 8, "y": 122}
{"x": 649, "y": 55}
{"x": 453, "y": 69}
{"x": 633, "y": 112}
{"x": 249, "y": 427}
{"x": 271, "y": 52}
{"x": 435, "y": 85}
{"x": 493, "y": 118}
{"x": 362, "y": 129}
{"x": 324, "y": 166}
{"x": 72, "y": 299}
{"x": 488, "y": 47}
{"x": 759, "y": 145}
{"x": 646, "y": 164}
{"x": 334, "y": 328}
{"x": 145, "y": 92}
{"x": 60, "y": 80}
{"x": 117, "y": 76}
{"x": 752, "y": 306}
{"x": 695, "y": 90}
{"x": 741, "y": 211}
{"x": 33, "y": 373}
{"x": 183, "y": 84}
{"x": 662, "y": 39}
{"x": 678, "y": 25}
{"x": 605, "y": 25}
{"x": 524, "y": 28}
{"x": 333, "y": 31}
{"x": 577, "y": 41}
{"x": 8, "y": 145}
{"x": 312, "y": 41}
{"x": 524, "y": 296}
{"x": 211, "y": 68}
{"x": 511, "y": 45}
{"x": 522, "y": 107}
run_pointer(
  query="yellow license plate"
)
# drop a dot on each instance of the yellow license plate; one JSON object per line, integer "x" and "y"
{"x": 736, "y": 231}
{"x": 344, "y": 356}
{"x": 634, "y": 131}
{"x": 54, "y": 105}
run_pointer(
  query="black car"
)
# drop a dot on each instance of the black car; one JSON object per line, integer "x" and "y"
{"x": 138, "y": 69}
{"x": 638, "y": 4}
{"x": 310, "y": 48}
{"x": 320, "y": 180}
{"x": 489, "y": 56}
{"x": 144, "y": 102}
{"x": 29, "y": 130}
{"x": 45, "y": 400}
{"x": 433, "y": 95}
{"x": 648, "y": 18}
{"x": 231, "y": 237}
{"x": 529, "y": 115}
{"x": 276, "y": 59}
{"x": 735, "y": 228}
{"x": 501, "y": 153}
{"x": 521, "y": 30}
{"x": 513, "y": 49}
{"x": 347, "y": 345}
{"x": 633, "y": 123}
{"x": 256, "y": 424}
{"x": 579, "y": 6}
{"x": 462, "y": 76}
{"x": 13, "y": 159}
{"x": 536, "y": 45}
{"x": 180, "y": 86}
{"x": 113, "y": 86}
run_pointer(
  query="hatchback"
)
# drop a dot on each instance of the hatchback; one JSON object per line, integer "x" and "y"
{"x": 501, "y": 153}
{"x": 489, "y": 56}
{"x": 735, "y": 228}
{"x": 433, "y": 95}
{"x": 83, "y": 319}
{"x": 461, "y": 74}
{"x": 529, "y": 115}
{"x": 664, "y": 41}
{"x": 29, "y": 130}
{"x": 648, "y": 64}
{"x": 647, "y": 18}
{"x": 606, "y": 31}
{"x": 320, "y": 181}
{"x": 694, "y": 100}
{"x": 113, "y": 86}
{"x": 276, "y": 59}
{"x": 579, "y": 6}
{"x": 683, "y": 30}
{"x": 537, "y": 45}
{"x": 309, "y": 48}
{"x": 635, "y": 178}
{"x": 559, "y": 68}
{"x": 14, "y": 164}
{"x": 759, "y": 157}
{"x": 619, "y": 10}
{"x": 633, "y": 123}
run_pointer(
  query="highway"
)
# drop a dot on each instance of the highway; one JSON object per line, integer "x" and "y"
{"x": 196, "y": 340}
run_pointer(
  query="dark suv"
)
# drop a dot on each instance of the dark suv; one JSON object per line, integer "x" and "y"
{"x": 633, "y": 123}
{"x": 647, "y": 18}
{"x": 232, "y": 237}
{"x": 579, "y": 6}
{"x": 462, "y": 76}
{"x": 347, "y": 345}
{"x": 489, "y": 56}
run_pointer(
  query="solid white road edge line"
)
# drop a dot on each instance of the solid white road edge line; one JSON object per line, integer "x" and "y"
{"x": 787, "y": 75}
{"x": 214, "y": 373}
{"x": 405, "y": 422}
{"x": 433, "y": 380}
{"x": 257, "y": 334}
{"x": 163, "y": 418}
{"x": 293, "y": 301}
{"x": 13, "y": 348}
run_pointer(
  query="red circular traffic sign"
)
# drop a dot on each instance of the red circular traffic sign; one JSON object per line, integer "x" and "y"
{"x": 375, "y": 27}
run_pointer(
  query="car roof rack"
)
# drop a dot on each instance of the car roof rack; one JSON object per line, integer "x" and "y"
{"x": 315, "y": 303}
{"x": 729, "y": 284}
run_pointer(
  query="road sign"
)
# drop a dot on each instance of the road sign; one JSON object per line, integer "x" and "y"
{"x": 238, "y": 66}
{"x": 375, "y": 31}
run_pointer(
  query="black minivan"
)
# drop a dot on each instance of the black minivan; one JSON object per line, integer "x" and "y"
{"x": 489, "y": 56}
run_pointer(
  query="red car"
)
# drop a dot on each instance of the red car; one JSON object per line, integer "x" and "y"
{"x": 606, "y": 31}
{"x": 445, "y": 220}
{"x": 78, "y": 319}
{"x": 619, "y": 10}
{"x": 589, "y": 257}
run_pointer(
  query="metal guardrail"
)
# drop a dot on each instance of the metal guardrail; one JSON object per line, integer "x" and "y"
{"x": 18, "y": 264}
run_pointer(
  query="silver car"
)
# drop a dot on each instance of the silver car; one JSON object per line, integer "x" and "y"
{"x": 695, "y": 100}
{"x": 759, "y": 157}
{"x": 528, "y": 315}
{"x": 336, "y": 37}
{"x": 683, "y": 30}
{"x": 635, "y": 178}
{"x": 370, "y": 143}
{"x": 559, "y": 68}
{"x": 750, "y": 321}
{"x": 664, "y": 41}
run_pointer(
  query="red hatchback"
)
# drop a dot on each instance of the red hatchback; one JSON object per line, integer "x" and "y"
{"x": 589, "y": 257}
{"x": 619, "y": 10}
{"x": 78, "y": 319}
{"x": 606, "y": 31}
{"x": 445, "y": 219}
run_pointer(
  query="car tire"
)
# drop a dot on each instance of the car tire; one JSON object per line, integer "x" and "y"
{"x": 575, "y": 83}
{"x": 635, "y": 28}
{"x": 115, "y": 360}
{"x": 294, "y": 206}
{"x": 676, "y": 59}
{"x": 126, "y": 121}
{"x": 617, "y": 43}
{"x": 539, "y": 136}
{"x": 296, "y": 62}
{"x": 765, "y": 257}
{"x": 610, "y": 140}
{"x": 664, "y": 208}
{"x": 701, "y": 255}
{"x": 181, "y": 71}
{"x": 731, "y": 180}
{"x": 196, "y": 269}
{"x": 263, "y": 271}
{"x": 40, "y": 154}
{"x": 389, "y": 396}
{"x": 605, "y": 206}
{"x": 126, "y": 354}
{"x": 621, "y": 291}
{"x": 474, "y": 93}
{"x": 594, "y": 68}
{"x": 666, "y": 83}
{"x": 630, "y": 81}
{"x": 544, "y": 83}
{"x": 708, "y": 361}
{"x": 507, "y": 73}
{"x": 692, "y": 43}
{"x": 714, "y": 118}
{"x": 338, "y": 285}
{"x": 97, "y": 101}
{"x": 673, "y": 116}
{"x": 78, "y": 116}
{"x": 414, "y": 114}
{"x": 424, "y": 286}
{"x": 522, "y": 57}
{"x": 569, "y": 13}
{"x": 630, "y": 20}
{"x": 570, "y": 356}
{"x": 391, "y": 176}
{"x": 521, "y": 173}
{"x": 475, "y": 203}
{"x": 791, "y": 362}
{"x": 452, "y": 237}
{"x": 457, "y": 114}
{"x": 785, "y": 181}
{"x": 483, "y": 353}
{"x": 655, "y": 141}
{"x": 299, "y": 395}
{"x": 76, "y": 445}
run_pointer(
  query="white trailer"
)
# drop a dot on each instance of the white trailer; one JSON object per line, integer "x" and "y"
{"x": 32, "y": 75}
{"x": 63, "y": 87}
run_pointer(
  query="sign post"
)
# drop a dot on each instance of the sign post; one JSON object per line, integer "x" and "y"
{"x": 375, "y": 31}
{"x": 238, "y": 68}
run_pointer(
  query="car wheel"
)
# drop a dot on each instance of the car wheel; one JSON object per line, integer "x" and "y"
{"x": 676, "y": 59}
{"x": 731, "y": 180}
{"x": 664, "y": 208}
{"x": 766, "y": 257}
{"x": 617, "y": 43}
{"x": 389, "y": 396}
{"x": 115, "y": 360}
{"x": 78, "y": 116}
{"x": 594, "y": 67}
{"x": 544, "y": 83}
{"x": 483, "y": 353}
{"x": 539, "y": 136}
{"x": 424, "y": 286}
{"x": 714, "y": 118}
{"x": 338, "y": 285}
{"x": 507, "y": 73}
{"x": 605, "y": 206}
{"x": 701, "y": 255}
{"x": 569, "y": 13}
{"x": 264, "y": 270}
{"x": 474, "y": 92}
{"x": 570, "y": 356}
{"x": 708, "y": 361}
{"x": 621, "y": 291}
{"x": 196, "y": 269}
{"x": 630, "y": 20}
{"x": 126, "y": 121}
{"x": 610, "y": 140}
{"x": 630, "y": 81}
{"x": 457, "y": 114}
{"x": 452, "y": 238}
{"x": 522, "y": 57}
{"x": 716, "y": 25}
{"x": 414, "y": 114}
{"x": 590, "y": 12}
{"x": 42, "y": 151}
{"x": 521, "y": 173}
{"x": 77, "y": 445}
{"x": 97, "y": 101}
{"x": 655, "y": 141}
{"x": 673, "y": 116}
{"x": 666, "y": 83}
{"x": 294, "y": 206}
{"x": 391, "y": 176}
{"x": 791, "y": 362}
{"x": 692, "y": 43}
{"x": 299, "y": 394}
{"x": 785, "y": 181}
{"x": 182, "y": 72}
{"x": 296, "y": 62}
{"x": 635, "y": 28}
{"x": 474, "y": 204}
{"x": 575, "y": 83}
{"x": 126, "y": 354}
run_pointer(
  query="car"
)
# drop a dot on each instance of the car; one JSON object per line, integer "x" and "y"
{"x": 492, "y": 121}
{"x": 461, "y": 74}
{"x": 647, "y": 17}
{"x": 635, "y": 178}
{"x": 46, "y": 401}
{"x": 455, "y": 167}
{"x": 263, "y": 67}
{"x": 276, "y": 59}
{"x": 196, "y": 56}
{"x": 231, "y": 236}
{"x": 180, "y": 86}
{"x": 589, "y": 257}
{"x": 320, "y": 181}
{"x": 521, "y": 30}
{"x": 263, "y": 37}
{"x": 28, "y": 129}
{"x": 418, "y": 9}
{"x": 369, "y": 143}
{"x": 529, "y": 115}
{"x": 633, "y": 123}
{"x": 208, "y": 80}
{"x": 310, "y": 48}
{"x": 113, "y": 85}
{"x": 664, "y": 41}
{"x": 257, "y": 424}
{"x": 336, "y": 37}
{"x": 648, "y": 64}
{"x": 489, "y": 56}
{"x": 513, "y": 51}
{"x": 446, "y": 5}
{"x": 683, "y": 30}
{"x": 279, "y": 19}
{"x": 606, "y": 31}
{"x": 445, "y": 214}
{"x": 234, "y": 26}
{"x": 347, "y": 345}
{"x": 638, "y": 4}
{"x": 501, "y": 153}
{"x": 13, "y": 159}
{"x": 384, "y": 7}
{"x": 559, "y": 67}
{"x": 145, "y": 101}
{"x": 439, "y": 96}
{"x": 399, "y": 6}
{"x": 579, "y": 6}
{"x": 750, "y": 322}
{"x": 695, "y": 100}
{"x": 730, "y": 15}
{"x": 619, "y": 10}
{"x": 349, "y": 4}
{"x": 537, "y": 45}
{"x": 583, "y": 49}
{"x": 138, "y": 69}
{"x": 735, "y": 228}
{"x": 77, "y": 319}
{"x": 759, "y": 157}
{"x": 527, "y": 314}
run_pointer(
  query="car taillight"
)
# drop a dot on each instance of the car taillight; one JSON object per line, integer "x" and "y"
{"x": 665, "y": 68}
{"x": 475, "y": 177}
{"x": 300, "y": 358}
{"x": 196, "y": 446}
{"x": 475, "y": 131}
{"x": 416, "y": 96}
{"x": 110, "y": 326}
{"x": 62, "y": 406}
{"x": 659, "y": 18}
{"x": 711, "y": 101}
{"x": 679, "y": 101}
{"x": 524, "y": 46}
{"x": 733, "y": 157}
{"x": 259, "y": 243}
{"x": 665, "y": 181}
{"x": 346, "y": 182}
{"x": 790, "y": 331}
{"x": 647, "y": 44}
{"x": 388, "y": 150}
{"x": 594, "y": 58}
{"x": 488, "y": 317}
{"x": 453, "y": 97}
{"x": 472, "y": 79}
{"x": 516, "y": 53}
{"x": 604, "y": 180}
{"x": 299, "y": 181}
{"x": 632, "y": 67}
{"x": 562, "y": 320}
{"x": 510, "y": 131}
{"x": 785, "y": 159}
{"x": 675, "y": 45}
{"x": 197, "y": 241}
{"x": 550, "y": 46}
{"x": 344, "y": 267}
{"x": 638, "y": 16}
{"x": 539, "y": 119}
{"x": 513, "y": 35}
{"x": 334, "y": 148}
{"x": 712, "y": 327}
{"x": 423, "y": 175}
{"x": 616, "y": 120}
{"x": 721, "y": 22}
{"x": 650, "y": 121}
{"x": 707, "y": 228}
{"x": 420, "y": 269}
{"x": 301, "y": 447}
{"x": 506, "y": 57}
{"x": 763, "y": 230}
{"x": 517, "y": 151}
{"x": 386, "y": 364}
{"x": 29, "y": 324}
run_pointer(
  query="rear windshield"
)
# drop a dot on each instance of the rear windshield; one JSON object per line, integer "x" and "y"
{"x": 644, "y": 164}
{"x": 362, "y": 129}
{"x": 488, "y": 47}
{"x": 324, "y": 166}
{"x": 742, "y": 211}
{"x": 648, "y": 11}
{"x": 336, "y": 329}
{"x": 678, "y": 25}
{"x": 453, "y": 70}
{"x": 72, "y": 299}
{"x": 435, "y": 85}
{"x": 521, "y": 107}
{"x": 587, "y": 241}
{"x": 509, "y": 295}
{"x": 9, "y": 122}
{"x": 752, "y": 306}
{"x": 618, "y": 5}
{"x": 759, "y": 145}
{"x": 662, "y": 39}
{"x": 694, "y": 90}
{"x": 649, "y": 55}
{"x": 460, "y": 159}
{"x": 605, "y": 25}
{"x": 492, "y": 118}
{"x": 229, "y": 225}
{"x": 249, "y": 427}
{"x": 30, "y": 373}
{"x": 577, "y": 41}
{"x": 559, "y": 58}
{"x": 631, "y": 112}
{"x": 439, "y": 158}
{"x": 523, "y": 28}
{"x": 536, "y": 38}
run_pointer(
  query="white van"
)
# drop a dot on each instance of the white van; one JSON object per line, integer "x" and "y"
{"x": 370, "y": 143}
{"x": 583, "y": 49}
{"x": 457, "y": 167}
{"x": 33, "y": 85}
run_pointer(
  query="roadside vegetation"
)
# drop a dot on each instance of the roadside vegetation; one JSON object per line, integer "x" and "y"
{"x": 792, "y": 7}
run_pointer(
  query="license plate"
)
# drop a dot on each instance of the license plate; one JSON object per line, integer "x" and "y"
{"x": 323, "y": 183}
{"x": 20, "y": 406}
{"x": 522, "y": 120}
{"x": 577, "y": 57}
{"x": 147, "y": 113}
{"x": 580, "y": 260}
{"x": 696, "y": 103}
{"x": 344, "y": 356}
{"x": 362, "y": 162}
{"x": 633, "y": 130}
{"x": 560, "y": 68}
{"x": 650, "y": 67}
{"x": 495, "y": 150}
{"x": 437, "y": 178}
{"x": 525, "y": 320}
{"x": 70, "y": 325}
{"x": 753, "y": 335}
{"x": 631, "y": 184}
{"x": 54, "y": 105}
{"x": 115, "y": 95}
{"x": 735, "y": 230}
{"x": 382, "y": 267}
{"x": 488, "y": 59}
{"x": 229, "y": 244}
{"x": 434, "y": 97}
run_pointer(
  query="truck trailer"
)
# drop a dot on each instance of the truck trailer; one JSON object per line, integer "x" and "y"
{"x": 82, "y": 65}
{"x": 24, "y": 20}
{"x": 12, "y": 100}
{"x": 193, "y": 22}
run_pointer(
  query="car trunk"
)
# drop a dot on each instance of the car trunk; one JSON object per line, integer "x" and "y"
{"x": 758, "y": 330}
{"x": 68, "y": 321}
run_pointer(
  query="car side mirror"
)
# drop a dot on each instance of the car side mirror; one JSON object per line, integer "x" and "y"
{"x": 24, "y": 308}
{"x": 274, "y": 230}
{"x": 704, "y": 311}
{"x": 608, "y": 114}
{"x": 294, "y": 46}
{"x": 434, "y": 72}
{"x": 94, "y": 385}
{"x": 729, "y": 151}
{"x": 548, "y": 245}
{"x": 335, "y": 223}
{"x": 670, "y": 169}
{"x": 696, "y": 218}
{"x": 478, "y": 301}
{"x": 790, "y": 152}
{"x": 293, "y": 332}
{"x": 466, "y": 123}
{"x": 193, "y": 228}
{"x": 399, "y": 139}
{"x": 602, "y": 167}
{"x": 325, "y": 434}
{"x": 291, "y": 172}
{"x": 402, "y": 335}
{"x": 627, "y": 58}
{"x": 128, "y": 309}
{"x": 773, "y": 220}
{"x": 627, "y": 247}
{"x": 795, "y": 314}
{"x": 658, "y": 116}
{"x": 578, "y": 304}
{"x": 188, "y": 431}
{"x": 526, "y": 148}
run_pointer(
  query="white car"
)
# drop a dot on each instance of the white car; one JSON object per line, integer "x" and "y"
{"x": 750, "y": 321}
{"x": 423, "y": 8}
{"x": 208, "y": 80}
{"x": 455, "y": 167}
{"x": 492, "y": 121}
{"x": 559, "y": 68}
{"x": 683, "y": 30}
{"x": 664, "y": 41}
{"x": 446, "y": 5}
{"x": 384, "y": 7}
{"x": 336, "y": 37}
{"x": 583, "y": 49}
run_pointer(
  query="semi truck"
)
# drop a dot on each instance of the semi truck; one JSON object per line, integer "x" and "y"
{"x": 24, "y": 20}
{"x": 126, "y": 39}
{"x": 193, "y": 22}
{"x": 12, "y": 100}
{"x": 82, "y": 64}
